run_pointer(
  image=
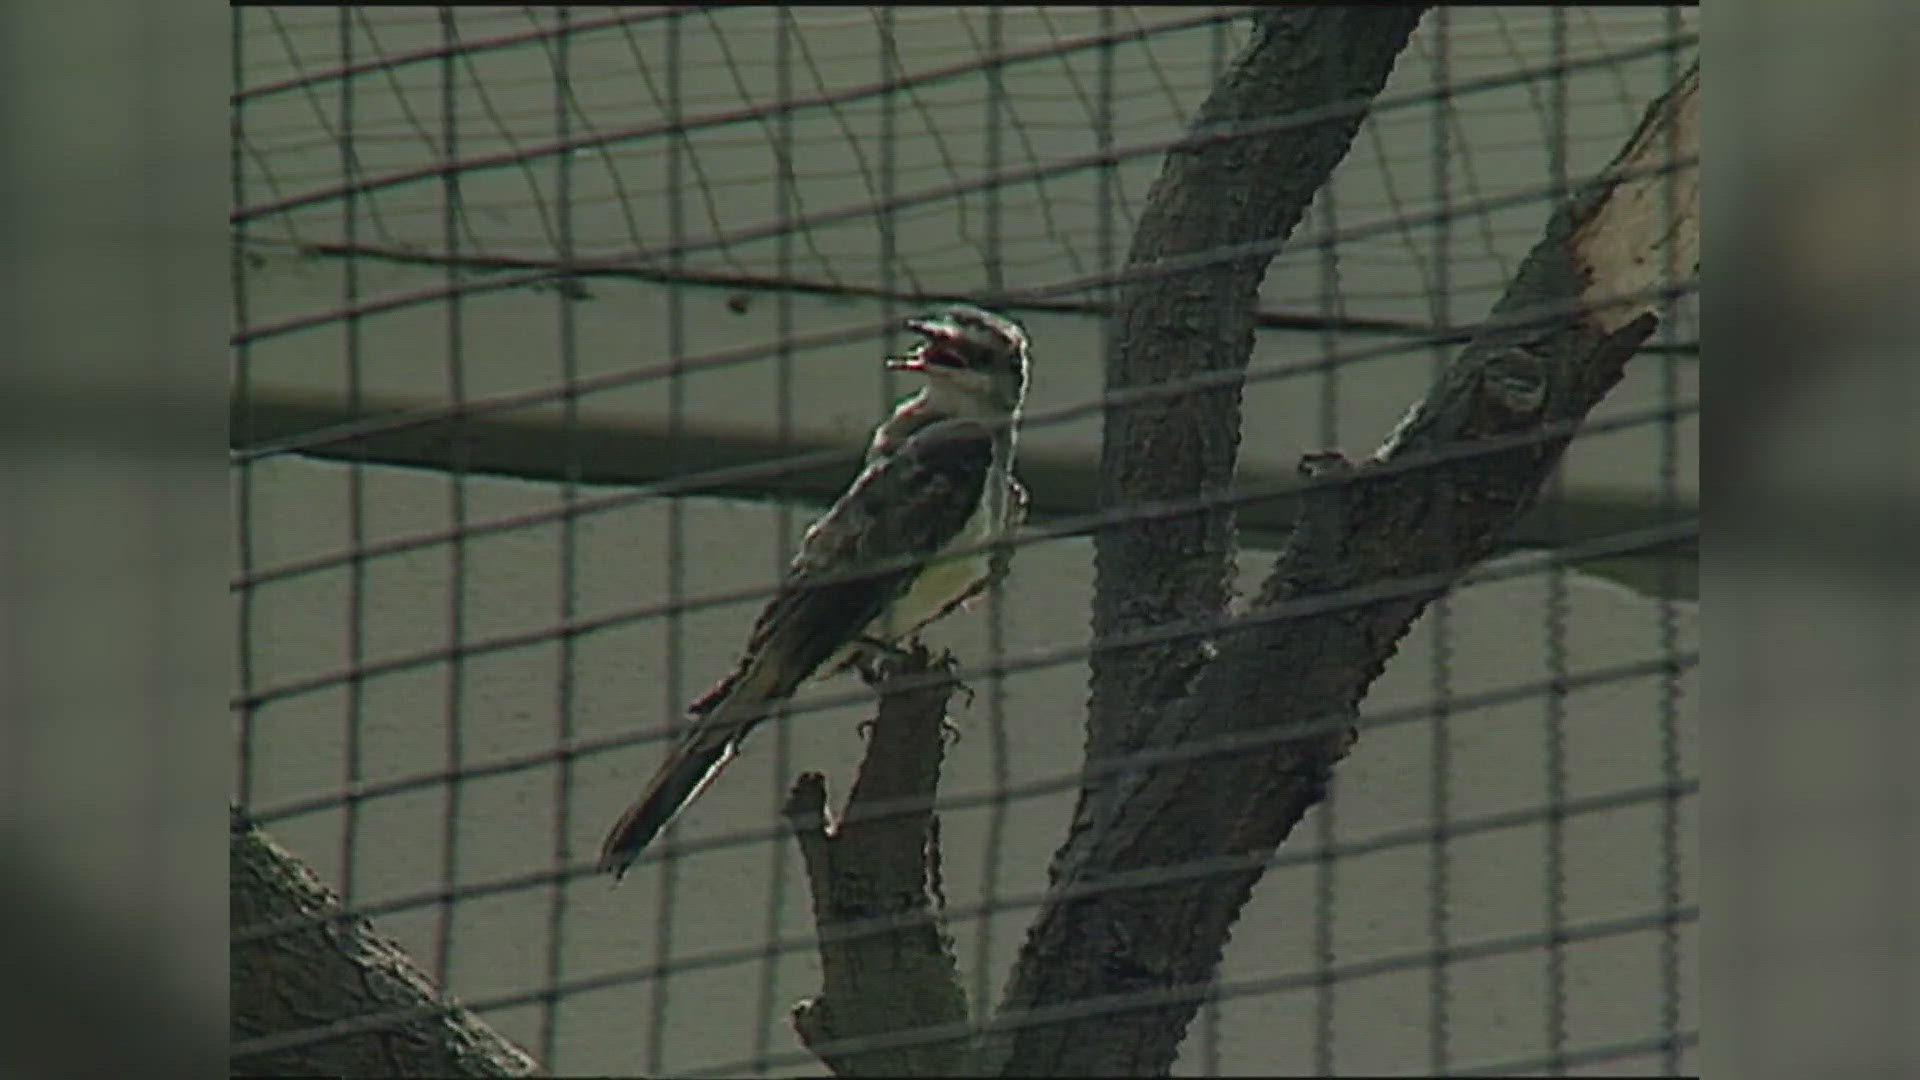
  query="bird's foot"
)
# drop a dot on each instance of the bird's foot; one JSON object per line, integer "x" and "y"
{"x": 949, "y": 731}
{"x": 965, "y": 689}
{"x": 947, "y": 662}
{"x": 875, "y": 659}
{"x": 878, "y": 662}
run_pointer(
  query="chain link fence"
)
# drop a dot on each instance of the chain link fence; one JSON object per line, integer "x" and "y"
{"x": 555, "y": 326}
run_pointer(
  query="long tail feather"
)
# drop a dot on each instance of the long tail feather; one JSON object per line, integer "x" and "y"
{"x": 680, "y": 780}
{"x": 721, "y": 720}
{"x": 909, "y": 505}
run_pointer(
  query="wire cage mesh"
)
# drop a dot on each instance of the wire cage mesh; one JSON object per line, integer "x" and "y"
{"x": 555, "y": 326}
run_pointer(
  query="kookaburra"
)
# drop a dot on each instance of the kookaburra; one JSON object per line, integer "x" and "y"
{"x": 881, "y": 563}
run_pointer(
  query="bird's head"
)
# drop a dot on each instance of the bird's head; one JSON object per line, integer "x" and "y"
{"x": 975, "y": 361}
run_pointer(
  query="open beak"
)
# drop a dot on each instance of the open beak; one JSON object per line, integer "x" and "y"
{"x": 929, "y": 355}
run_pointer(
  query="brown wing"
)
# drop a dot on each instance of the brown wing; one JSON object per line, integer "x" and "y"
{"x": 860, "y": 556}
{"x": 865, "y": 551}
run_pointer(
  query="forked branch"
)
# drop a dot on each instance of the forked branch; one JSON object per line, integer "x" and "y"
{"x": 887, "y": 963}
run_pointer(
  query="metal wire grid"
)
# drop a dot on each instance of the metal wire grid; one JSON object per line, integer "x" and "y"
{"x": 353, "y": 196}
{"x": 285, "y": 150}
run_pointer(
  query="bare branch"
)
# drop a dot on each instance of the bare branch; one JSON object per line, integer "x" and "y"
{"x": 1210, "y": 194}
{"x": 878, "y": 869}
{"x": 331, "y": 973}
{"x": 1559, "y": 339}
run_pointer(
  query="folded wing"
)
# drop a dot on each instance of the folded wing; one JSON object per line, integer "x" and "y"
{"x": 858, "y": 558}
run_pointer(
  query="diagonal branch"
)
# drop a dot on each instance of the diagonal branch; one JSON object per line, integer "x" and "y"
{"x": 1558, "y": 340}
{"x": 1210, "y": 194}
{"x": 340, "y": 974}
{"x": 887, "y": 963}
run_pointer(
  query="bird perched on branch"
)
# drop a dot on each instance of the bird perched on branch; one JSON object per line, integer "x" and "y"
{"x": 904, "y": 545}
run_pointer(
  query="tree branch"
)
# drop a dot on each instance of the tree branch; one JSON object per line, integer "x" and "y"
{"x": 1433, "y": 500}
{"x": 335, "y": 970}
{"x": 886, "y": 960}
{"x": 1211, "y": 193}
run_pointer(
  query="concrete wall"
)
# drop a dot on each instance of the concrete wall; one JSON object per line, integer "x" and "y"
{"x": 730, "y": 903}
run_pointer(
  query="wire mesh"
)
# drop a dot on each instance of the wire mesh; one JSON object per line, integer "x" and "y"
{"x": 521, "y": 293}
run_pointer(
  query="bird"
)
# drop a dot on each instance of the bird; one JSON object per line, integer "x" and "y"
{"x": 905, "y": 544}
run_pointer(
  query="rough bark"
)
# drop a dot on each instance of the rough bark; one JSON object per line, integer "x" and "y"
{"x": 330, "y": 971}
{"x": 1144, "y": 899}
{"x": 886, "y": 961}
{"x": 1212, "y": 193}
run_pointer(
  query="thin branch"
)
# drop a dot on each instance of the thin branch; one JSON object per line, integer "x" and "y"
{"x": 1306, "y": 674}
{"x": 886, "y": 961}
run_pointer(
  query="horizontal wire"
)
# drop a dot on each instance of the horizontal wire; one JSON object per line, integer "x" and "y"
{"x": 1189, "y": 141}
{"x": 1083, "y": 1009}
{"x": 720, "y": 478}
{"x": 750, "y": 114}
{"x": 776, "y": 468}
{"x": 1496, "y": 47}
{"x": 1141, "y": 511}
{"x": 1514, "y": 567}
{"x": 1592, "y": 1055}
{"x": 1266, "y": 320}
{"x": 1263, "y": 319}
{"x": 1193, "y": 750}
{"x": 298, "y": 139}
{"x": 360, "y": 429}
{"x": 1155, "y": 875}
{"x": 1168, "y": 874}
{"x": 1134, "y": 1001}
{"x": 613, "y": 76}
{"x": 466, "y": 47}
{"x": 1646, "y": 539}
{"x": 1032, "y": 662}
{"x": 1185, "y": 752}
{"x": 1153, "y": 999}
{"x": 1526, "y": 315}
